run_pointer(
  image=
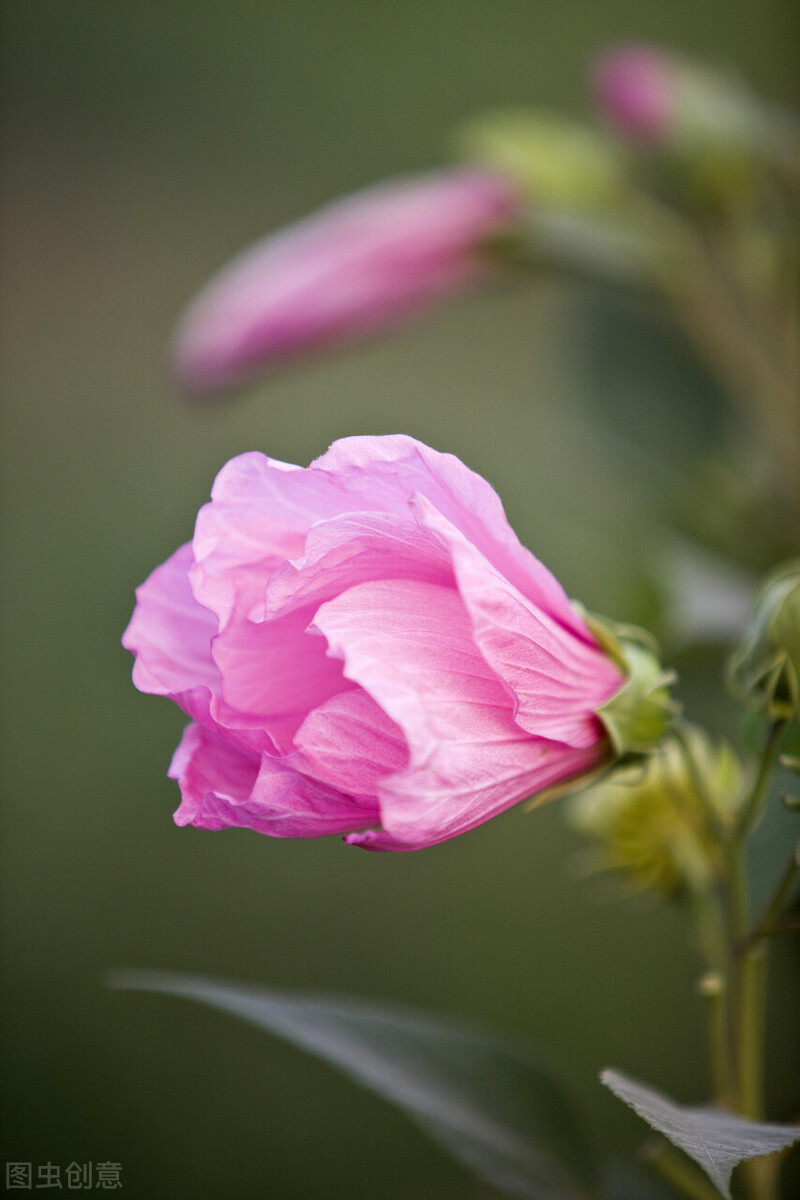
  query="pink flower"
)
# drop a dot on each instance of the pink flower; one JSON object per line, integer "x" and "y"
{"x": 634, "y": 88}
{"x": 359, "y": 264}
{"x": 366, "y": 648}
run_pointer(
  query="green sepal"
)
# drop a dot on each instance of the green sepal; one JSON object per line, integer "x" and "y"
{"x": 637, "y": 717}
{"x": 640, "y": 713}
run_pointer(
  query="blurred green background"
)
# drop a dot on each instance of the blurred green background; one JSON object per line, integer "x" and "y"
{"x": 145, "y": 143}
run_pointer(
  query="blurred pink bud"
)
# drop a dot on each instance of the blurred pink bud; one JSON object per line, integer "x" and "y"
{"x": 361, "y": 263}
{"x": 365, "y": 648}
{"x": 634, "y": 91}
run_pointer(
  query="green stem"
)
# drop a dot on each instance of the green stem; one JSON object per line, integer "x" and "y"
{"x": 711, "y": 905}
{"x": 753, "y": 994}
{"x": 713, "y": 989}
{"x": 747, "y": 973}
{"x": 752, "y": 811}
{"x": 770, "y": 922}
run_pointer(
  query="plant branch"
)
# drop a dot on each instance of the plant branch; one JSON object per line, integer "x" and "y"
{"x": 770, "y": 922}
{"x": 752, "y": 810}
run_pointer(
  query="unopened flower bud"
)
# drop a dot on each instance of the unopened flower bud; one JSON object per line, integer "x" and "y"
{"x": 556, "y": 162}
{"x": 709, "y": 124}
{"x": 358, "y": 266}
{"x": 654, "y": 820}
{"x": 765, "y": 669}
{"x": 634, "y": 90}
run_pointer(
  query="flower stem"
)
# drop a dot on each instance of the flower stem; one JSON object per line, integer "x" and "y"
{"x": 770, "y": 922}
{"x": 753, "y": 989}
{"x": 755, "y": 804}
{"x": 713, "y": 989}
{"x": 747, "y": 973}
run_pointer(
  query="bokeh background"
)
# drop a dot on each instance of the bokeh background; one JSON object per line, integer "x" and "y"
{"x": 144, "y": 143}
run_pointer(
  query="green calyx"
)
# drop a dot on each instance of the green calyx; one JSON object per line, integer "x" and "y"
{"x": 637, "y": 717}
{"x": 552, "y": 160}
{"x": 765, "y": 670}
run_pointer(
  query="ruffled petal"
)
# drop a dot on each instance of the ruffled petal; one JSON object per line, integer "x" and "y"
{"x": 558, "y": 680}
{"x": 170, "y": 633}
{"x": 410, "y": 645}
{"x": 351, "y": 744}
{"x": 171, "y": 636}
{"x": 214, "y": 776}
{"x": 259, "y": 515}
{"x": 466, "y": 784}
{"x": 391, "y": 469}
{"x": 288, "y": 803}
{"x": 223, "y": 787}
{"x": 357, "y": 548}
{"x": 273, "y": 674}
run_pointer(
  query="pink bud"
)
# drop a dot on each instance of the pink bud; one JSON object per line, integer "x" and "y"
{"x": 361, "y": 263}
{"x": 633, "y": 89}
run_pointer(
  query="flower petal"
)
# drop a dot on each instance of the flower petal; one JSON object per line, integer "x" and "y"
{"x": 410, "y": 645}
{"x": 259, "y": 515}
{"x": 214, "y": 776}
{"x": 390, "y": 470}
{"x": 288, "y": 803}
{"x": 273, "y": 674}
{"x": 170, "y": 633}
{"x": 466, "y": 784}
{"x": 171, "y": 636}
{"x": 351, "y": 744}
{"x": 223, "y": 787}
{"x": 558, "y": 680}
{"x": 356, "y": 548}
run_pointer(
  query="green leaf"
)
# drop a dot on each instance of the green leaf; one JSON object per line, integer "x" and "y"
{"x": 481, "y": 1097}
{"x": 715, "y": 1140}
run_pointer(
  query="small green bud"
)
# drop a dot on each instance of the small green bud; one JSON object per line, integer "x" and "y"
{"x": 555, "y": 162}
{"x": 764, "y": 671}
{"x": 640, "y": 713}
{"x": 655, "y": 820}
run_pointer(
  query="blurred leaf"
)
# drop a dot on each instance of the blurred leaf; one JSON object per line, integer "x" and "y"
{"x": 482, "y": 1098}
{"x": 715, "y": 1140}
